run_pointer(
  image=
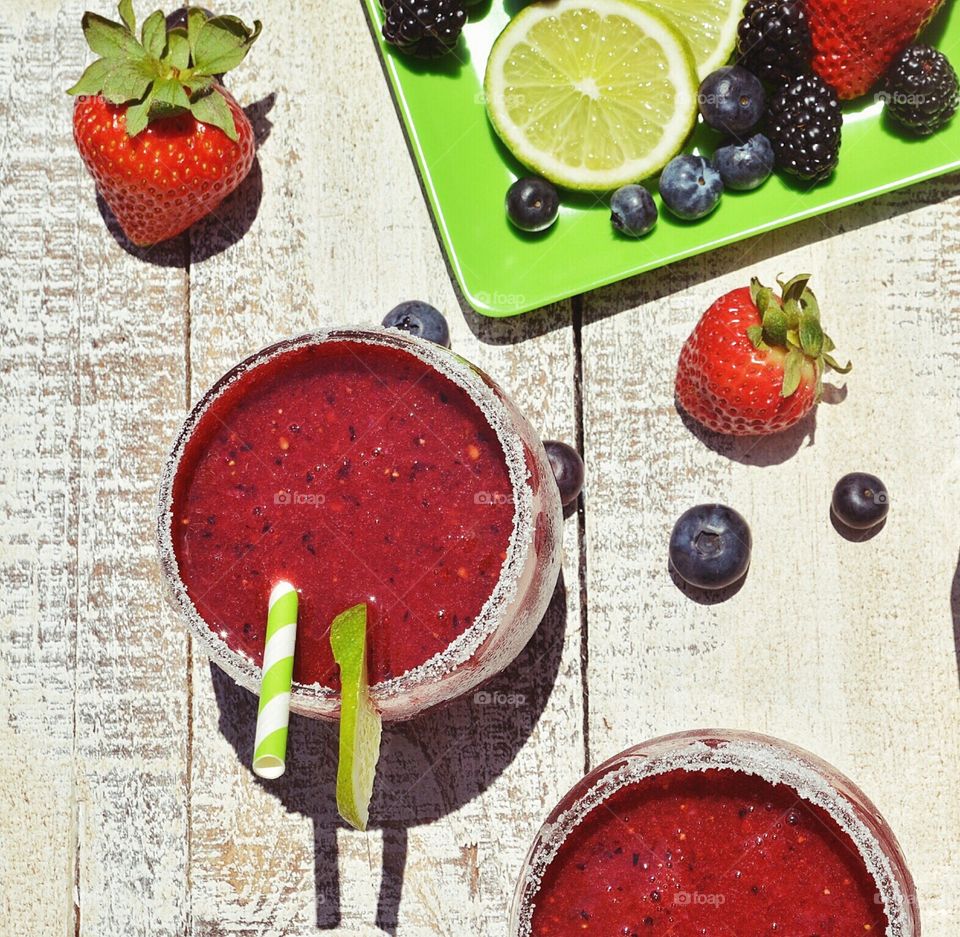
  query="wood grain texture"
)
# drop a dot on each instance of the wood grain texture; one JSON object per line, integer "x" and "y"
{"x": 93, "y": 673}
{"x": 39, "y": 511}
{"x": 130, "y": 808}
{"x": 341, "y": 235}
{"x": 844, "y": 648}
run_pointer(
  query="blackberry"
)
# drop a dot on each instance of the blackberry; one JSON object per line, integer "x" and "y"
{"x": 773, "y": 40}
{"x": 921, "y": 90}
{"x": 423, "y": 28}
{"x": 803, "y": 126}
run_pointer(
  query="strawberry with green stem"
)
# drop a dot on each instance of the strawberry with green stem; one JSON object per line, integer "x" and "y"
{"x": 754, "y": 364}
{"x": 163, "y": 139}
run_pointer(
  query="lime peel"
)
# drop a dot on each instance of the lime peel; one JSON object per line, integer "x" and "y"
{"x": 360, "y": 724}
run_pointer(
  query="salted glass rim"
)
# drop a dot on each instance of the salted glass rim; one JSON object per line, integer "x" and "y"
{"x": 501, "y": 601}
{"x": 772, "y": 759}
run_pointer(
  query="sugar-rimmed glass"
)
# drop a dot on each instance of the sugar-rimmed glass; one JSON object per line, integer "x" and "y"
{"x": 526, "y": 581}
{"x": 775, "y": 761}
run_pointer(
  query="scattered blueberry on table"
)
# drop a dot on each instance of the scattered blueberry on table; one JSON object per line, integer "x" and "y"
{"x": 860, "y": 501}
{"x": 567, "y": 468}
{"x": 419, "y": 319}
{"x": 710, "y": 546}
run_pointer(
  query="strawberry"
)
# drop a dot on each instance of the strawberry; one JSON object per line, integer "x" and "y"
{"x": 754, "y": 363}
{"x": 162, "y": 138}
{"x": 855, "y": 41}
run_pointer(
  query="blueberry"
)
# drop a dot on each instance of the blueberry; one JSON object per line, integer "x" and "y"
{"x": 732, "y": 100}
{"x": 532, "y": 204}
{"x": 710, "y": 546}
{"x": 690, "y": 187}
{"x": 633, "y": 211}
{"x": 420, "y": 319}
{"x": 567, "y": 469}
{"x": 860, "y": 501}
{"x": 745, "y": 166}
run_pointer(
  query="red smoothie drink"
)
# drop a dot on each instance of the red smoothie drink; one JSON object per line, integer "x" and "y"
{"x": 734, "y": 838}
{"x": 363, "y": 467}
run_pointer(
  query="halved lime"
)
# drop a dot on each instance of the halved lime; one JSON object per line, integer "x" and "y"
{"x": 359, "y": 719}
{"x": 591, "y": 94}
{"x": 709, "y": 26}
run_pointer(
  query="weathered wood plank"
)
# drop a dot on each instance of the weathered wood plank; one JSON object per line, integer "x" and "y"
{"x": 39, "y": 511}
{"x": 341, "y": 235}
{"x": 106, "y": 824}
{"x": 92, "y": 819}
{"x": 845, "y": 648}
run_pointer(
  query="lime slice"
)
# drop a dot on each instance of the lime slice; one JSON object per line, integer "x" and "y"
{"x": 709, "y": 26}
{"x": 359, "y": 719}
{"x": 591, "y": 94}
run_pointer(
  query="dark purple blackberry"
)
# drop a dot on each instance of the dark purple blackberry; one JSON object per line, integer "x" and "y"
{"x": 803, "y": 126}
{"x": 424, "y": 28}
{"x": 773, "y": 40}
{"x": 921, "y": 90}
{"x": 178, "y": 18}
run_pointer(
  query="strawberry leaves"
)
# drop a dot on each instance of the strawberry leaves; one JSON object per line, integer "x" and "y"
{"x": 165, "y": 72}
{"x": 791, "y": 323}
{"x": 220, "y": 44}
{"x": 125, "y": 9}
{"x": 792, "y": 372}
{"x": 178, "y": 50}
{"x": 153, "y": 34}
{"x": 212, "y": 109}
{"x": 108, "y": 39}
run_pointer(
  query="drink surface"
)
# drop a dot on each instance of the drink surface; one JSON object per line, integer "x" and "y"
{"x": 359, "y": 473}
{"x": 717, "y": 852}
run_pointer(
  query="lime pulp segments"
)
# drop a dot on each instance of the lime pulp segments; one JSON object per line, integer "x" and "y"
{"x": 709, "y": 26}
{"x": 591, "y": 94}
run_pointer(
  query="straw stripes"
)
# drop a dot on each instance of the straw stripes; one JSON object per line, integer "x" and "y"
{"x": 273, "y": 715}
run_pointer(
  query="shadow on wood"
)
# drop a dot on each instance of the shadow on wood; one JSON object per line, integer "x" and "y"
{"x": 851, "y": 534}
{"x": 658, "y": 285}
{"x": 429, "y": 767}
{"x": 706, "y": 596}
{"x": 761, "y": 451}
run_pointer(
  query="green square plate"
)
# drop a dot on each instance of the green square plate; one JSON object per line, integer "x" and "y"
{"x": 466, "y": 172}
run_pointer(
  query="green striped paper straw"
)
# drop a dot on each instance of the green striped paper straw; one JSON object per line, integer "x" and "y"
{"x": 270, "y": 747}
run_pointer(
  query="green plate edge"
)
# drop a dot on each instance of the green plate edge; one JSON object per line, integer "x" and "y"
{"x": 465, "y": 172}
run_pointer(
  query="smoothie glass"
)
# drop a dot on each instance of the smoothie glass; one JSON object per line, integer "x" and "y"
{"x": 519, "y": 591}
{"x": 857, "y": 831}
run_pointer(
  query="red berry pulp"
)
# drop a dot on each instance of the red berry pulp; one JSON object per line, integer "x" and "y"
{"x": 359, "y": 473}
{"x": 715, "y": 853}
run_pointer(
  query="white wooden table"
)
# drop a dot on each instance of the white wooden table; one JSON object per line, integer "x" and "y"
{"x": 126, "y": 804}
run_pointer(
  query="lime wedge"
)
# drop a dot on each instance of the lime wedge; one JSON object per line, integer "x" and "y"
{"x": 591, "y": 94}
{"x": 709, "y": 26}
{"x": 359, "y": 719}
